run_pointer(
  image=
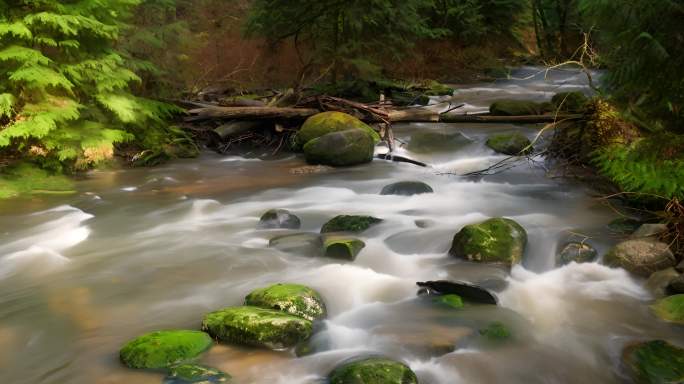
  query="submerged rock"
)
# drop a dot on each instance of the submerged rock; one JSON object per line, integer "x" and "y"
{"x": 305, "y": 244}
{"x": 670, "y": 309}
{"x": 510, "y": 144}
{"x": 659, "y": 282}
{"x": 328, "y": 122}
{"x": 676, "y": 285}
{"x": 572, "y": 102}
{"x": 467, "y": 291}
{"x": 496, "y": 240}
{"x": 624, "y": 225}
{"x": 194, "y": 373}
{"x": 346, "y": 148}
{"x": 451, "y": 300}
{"x": 349, "y": 223}
{"x": 641, "y": 257}
{"x": 519, "y": 108}
{"x": 295, "y": 299}
{"x": 164, "y": 348}
{"x": 279, "y": 218}
{"x": 406, "y": 188}
{"x": 649, "y": 230}
{"x": 430, "y": 142}
{"x": 345, "y": 248}
{"x": 258, "y": 327}
{"x": 654, "y": 362}
{"x": 577, "y": 252}
{"x": 373, "y": 370}
{"x": 496, "y": 331}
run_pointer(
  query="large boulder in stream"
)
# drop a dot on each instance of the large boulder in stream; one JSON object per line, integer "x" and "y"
{"x": 341, "y": 247}
{"x": 328, "y": 122}
{"x": 164, "y": 348}
{"x": 303, "y": 244}
{"x": 406, "y": 188}
{"x": 279, "y": 218}
{"x": 497, "y": 240}
{"x": 641, "y": 256}
{"x": 373, "y": 370}
{"x": 511, "y": 144}
{"x": 349, "y": 223}
{"x": 577, "y": 252}
{"x": 257, "y": 327}
{"x": 670, "y": 309}
{"x": 519, "y": 108}
{"x": 294, "y": 299}
{"x": 654, "y": 362}
{"x": 435, "y": 141}
{"x": 345, "y": 148}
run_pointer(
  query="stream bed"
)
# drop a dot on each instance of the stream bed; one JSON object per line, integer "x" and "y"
{"x": 139, "y": 250}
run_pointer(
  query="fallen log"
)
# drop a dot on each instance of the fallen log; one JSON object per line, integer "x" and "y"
{"x": 530, "y": 119}
{"x": 249, "y": 113}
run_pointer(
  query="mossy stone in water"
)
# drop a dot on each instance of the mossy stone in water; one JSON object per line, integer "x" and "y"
{"x": 453, "y": 301}
{"x": 258, "y": 327}
{"x": 654, "y": 362}
{"x": 574, "y": 102}
{"x": 164, "y": 348}
{"x": 518, "y": 108}
{"x": 510, "y": 144}
{"x": 578, "y": 253}
{"x": 496, "y": 331}
{"x": 340, "y": 149}
{"x": 349, "y": 223}
{"x": 195, "y": 374}
{"x": 406, "y": 188}
{"x": 328, "y": 122}
{"x": 345, "y": 248}
{"x": 670, "y": 309}
{"x": 641, "y": 256}
{"x": 279, "y": 218}
{"x": 430, "y": 141}
{"x": 295, "y": 299}
{"x": 497, "y": 240}
{"x": 374, "y": 370}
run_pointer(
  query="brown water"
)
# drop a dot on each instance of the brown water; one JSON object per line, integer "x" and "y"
{"x": 148, "y": 249}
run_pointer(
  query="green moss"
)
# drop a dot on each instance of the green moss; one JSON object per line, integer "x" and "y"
{"x": 428, "y": 142}
{"x": 193, "y": 373}
{"x": 453, "y": 301}
{"x": 294, "y": 299}
{"x": 164, "y": 348}
{"x": 346, "y": 148}
{"x": 328, "y": 122}
{"x": 349, "y": 223}
{"x": 573, "y": 102}
{"x": 496, "y": 240}
{"x": 435, "y": 88}
{"x": 26, "y": 179}
{"x": 655, "y": 362}
{"x": 257, "y": 327}
{"x": 496, "y": 331}
{"x": 518, "y": 108}
{"x": 510, "y": 143}
{"x": 342, "y": 247}
{"x": 670, "y": 309}
{"x": 373, "y": 370}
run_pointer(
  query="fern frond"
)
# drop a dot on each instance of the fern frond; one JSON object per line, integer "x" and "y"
{"x": 17, "y": 29}
{"x": 6, "y": 104}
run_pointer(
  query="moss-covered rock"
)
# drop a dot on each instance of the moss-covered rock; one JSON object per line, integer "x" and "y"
{"x": 431, "y": 141}
{"x": 197, "y": 374}
{"x": 374, "y": 370}
{"x": 164, "y": 348}
{"x": 349, "y": 223}
{"x": 496, "y": 331}
{"x": 572, "y": 102}
{"x": 295, "y": 299}
{"x": 453, "y": 301}
{"x": 519, "y": 108}
{"x": 624, "y": 226}
{"x": 496, "y": 240}
{"x": 578, "y": 253}
{"x": 279, "y": 218}
{"x": 345, "y": 248}
{"x": 654, "y": 362}
{"x": 328, "y": 122}
{"x": 641, "y": 256}
{"x": 345, "y": 148}
{"x": 670, "y": 309}
{"x": 258, "y": 327}
{"x": 303, "y": 244}
{"x": 510, "y": 144}
{"x": 406, "y": 188}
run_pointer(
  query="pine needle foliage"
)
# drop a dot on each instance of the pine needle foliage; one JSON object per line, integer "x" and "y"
{"x": 65, "y": 86}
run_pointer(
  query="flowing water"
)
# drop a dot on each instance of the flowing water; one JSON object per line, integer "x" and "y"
{"x": 147, "y": 249}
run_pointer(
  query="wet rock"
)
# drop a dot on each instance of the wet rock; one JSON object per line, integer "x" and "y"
{"x": 654, "y": 362}
{"x": 328, "y": 122}
{"x": 578, "y": 253}
{"x": 453, "y": 301}
{"x": 257, "y": 327}
{"x": 349, "y": 223}
{"x": 345, "y": 248}
{"x": 164, "y": 348}
{"x": 495, "y": 331}
{"x": 675, "y": 286}
{"x": 670, "y": 309}
{"x": 294, "y": 299}
{"x": 373, "y": 370}
{"x": 624, "y": 225}
{"x": 570, "y": 102}
{"x": 406, "y": 188}
{"x": 649, "y": 230}
{"x": 279, "y": 218}
{"x": 660, "y": 281}
{"x": 519, "y": 108}
{"x": 304, "y": 244}
{"x": 194, "y": 373}
{"x": 469, "y": 292}
{"x": 346, "y": 148}
{"x": 510, "y": 144}
{"x": 641, "y": 257}
{"x": 496, "y": 240}
{"x": 424, "y": 223}
{"x": 431, "y": 142}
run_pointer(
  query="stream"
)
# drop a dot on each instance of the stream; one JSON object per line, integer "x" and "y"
{"x": 138, "y": 250}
